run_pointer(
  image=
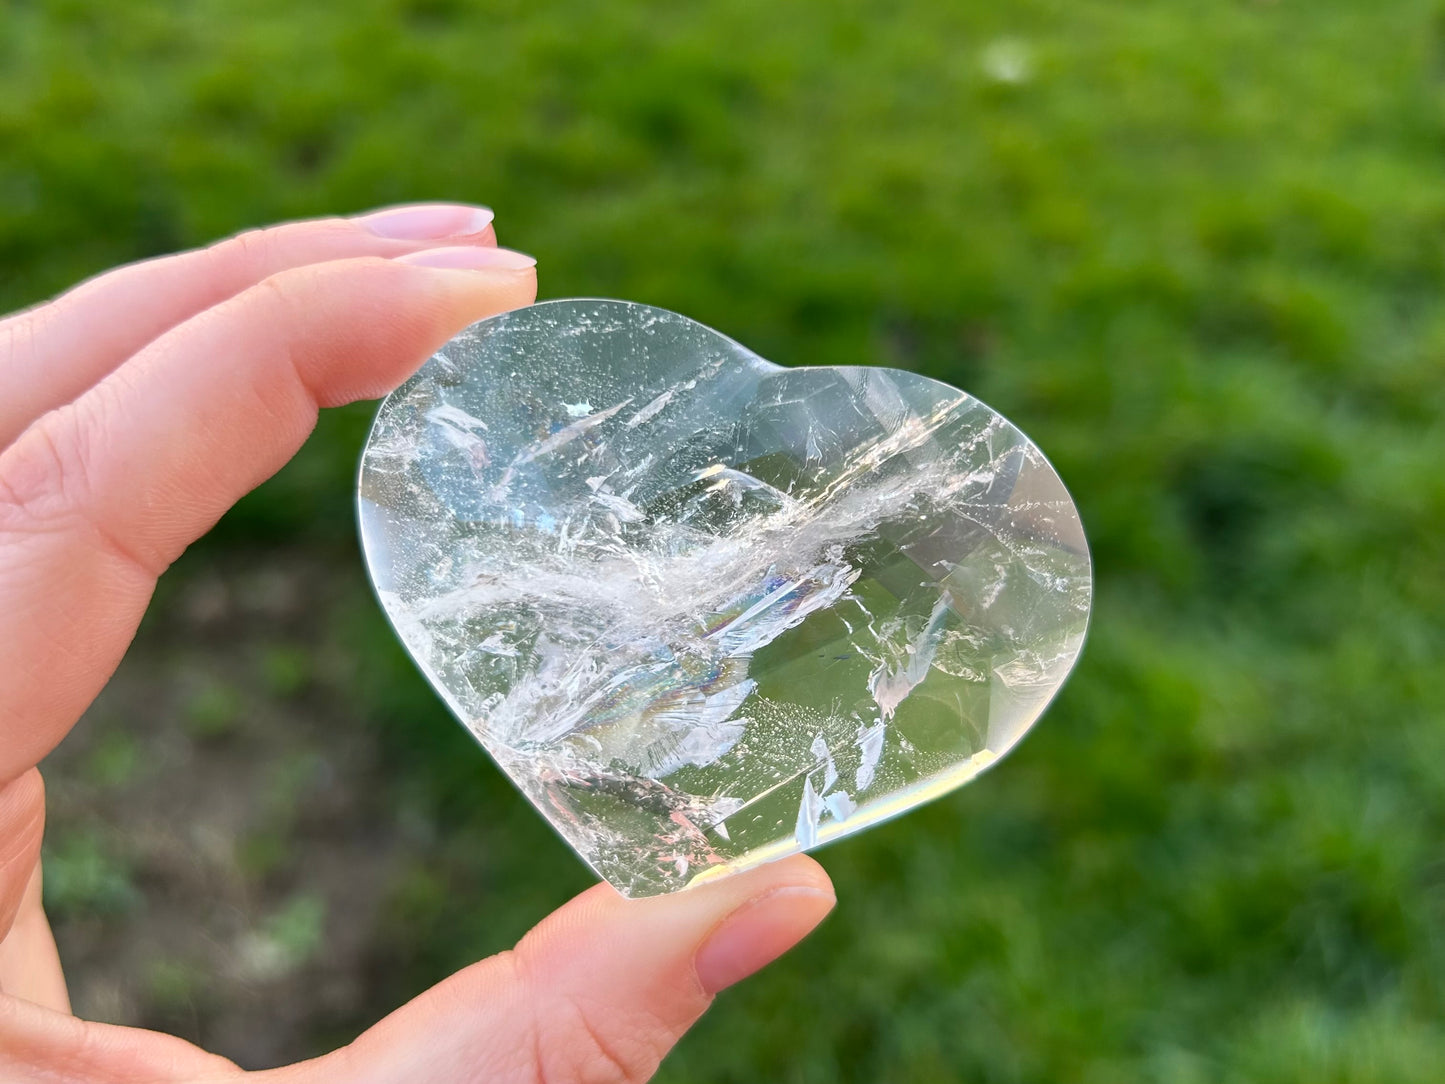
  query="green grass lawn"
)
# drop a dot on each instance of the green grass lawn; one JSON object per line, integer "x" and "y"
{"x": 1195, "y": 249}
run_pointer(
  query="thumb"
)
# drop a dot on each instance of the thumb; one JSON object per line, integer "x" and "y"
{"x": 599, "y": 992}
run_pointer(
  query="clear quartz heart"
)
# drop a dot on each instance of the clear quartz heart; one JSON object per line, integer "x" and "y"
{"x": 706, "y": 611}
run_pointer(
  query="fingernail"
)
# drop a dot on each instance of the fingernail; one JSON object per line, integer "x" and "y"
{"x": 427, "y": 221}
{"x": 471, "y": 258}
{"x": 758, "y": 933}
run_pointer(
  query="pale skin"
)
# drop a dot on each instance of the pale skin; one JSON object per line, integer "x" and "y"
{"x": 137, "y": 408}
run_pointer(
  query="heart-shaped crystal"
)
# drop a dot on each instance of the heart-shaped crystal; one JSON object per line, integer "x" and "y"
{"x": 704, "y": 610}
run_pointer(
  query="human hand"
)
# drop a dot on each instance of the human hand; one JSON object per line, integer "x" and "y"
{"x": 134, "y": 411}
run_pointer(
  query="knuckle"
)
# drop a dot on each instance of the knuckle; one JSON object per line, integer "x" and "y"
{"x": 43, "y": 476}
{"x": 46, "y": 485}
{"x": 278, "y": 299}
{"x": 265, "y": 247}
{"x": 274, "y": 307}
{"x": 277, "y": 290}
{"x": 249, "y": 248}
{"x": 284, "y": 294}
{"x": 573, "y": 1049}
{"x": 578, "y": 1041}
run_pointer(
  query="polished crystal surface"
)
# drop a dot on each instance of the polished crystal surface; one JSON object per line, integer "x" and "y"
{"x": 704, "y": 610}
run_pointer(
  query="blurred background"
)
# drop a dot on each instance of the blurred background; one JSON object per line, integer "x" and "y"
{"x": 1195, "y": 249}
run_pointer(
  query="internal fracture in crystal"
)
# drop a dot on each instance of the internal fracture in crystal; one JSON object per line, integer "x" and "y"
{"x": 706, "y": 611}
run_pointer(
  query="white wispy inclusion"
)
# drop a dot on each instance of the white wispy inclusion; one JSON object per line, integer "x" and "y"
{"x": 870, "y": 748}
{"x": 705, "y": 610}
{"x": 906, "y": 663}
{"x": 810, "y": 811}
{"x": 840, "y": 805}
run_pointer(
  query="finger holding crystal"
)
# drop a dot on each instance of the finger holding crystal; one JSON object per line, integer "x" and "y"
{"x": 56, "y": 351}
{"x": 99, "y": 496}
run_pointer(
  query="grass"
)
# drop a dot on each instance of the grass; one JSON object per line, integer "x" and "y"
{"x": 1194, "y": 249}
